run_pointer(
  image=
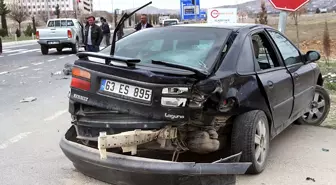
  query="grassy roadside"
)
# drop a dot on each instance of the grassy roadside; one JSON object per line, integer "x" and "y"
{"x": 12, "y": 38}
{"x": 329, "y": 72}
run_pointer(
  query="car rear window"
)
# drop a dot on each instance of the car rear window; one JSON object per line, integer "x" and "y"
{"x": 195, "y": 47}
{"x": 172, "y": 22}
{"x": 60, "y": 23}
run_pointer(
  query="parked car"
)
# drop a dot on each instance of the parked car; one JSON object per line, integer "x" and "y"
{"x": 198, "y": 91}
{"x": 170, "y": 22}
{"x": 61, "y": 33}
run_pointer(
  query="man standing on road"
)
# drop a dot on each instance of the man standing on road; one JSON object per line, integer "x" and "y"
{"x": 106, "y": 31}
{"x": 143, "y": 23}
{"x": 93, "y": 35}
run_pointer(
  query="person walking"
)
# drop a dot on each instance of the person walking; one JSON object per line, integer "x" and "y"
{"x": 143, "y": 24}
{"x": 93, "y": 35}
{"x": 106, "y": 31}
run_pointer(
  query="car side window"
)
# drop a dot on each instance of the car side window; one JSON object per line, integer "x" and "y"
{"x": 288, "y": 51}
{"x": 263, "y": 52}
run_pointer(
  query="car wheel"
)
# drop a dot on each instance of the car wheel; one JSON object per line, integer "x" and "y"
{"x": 319, "y": 108}
{"x": 75, "y": 47}
{"x": 59, "y": 49}
{"x": 250, "y": 135}
{"x": 44, "y": 50}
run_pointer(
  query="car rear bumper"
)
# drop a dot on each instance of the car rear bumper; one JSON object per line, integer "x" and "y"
{"x": 131, "y": 170}
{"x": 61, "y": 42}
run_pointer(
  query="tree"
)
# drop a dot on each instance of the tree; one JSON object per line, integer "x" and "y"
{"x": 295, "y": 15}
{"x": 43, "y": 15}
{"x": 263, "y": 13}
{"x": 18, "y": 13}
{"x": 4, "y": 11}
{"x": 34, "y": 25}
{"x": 326, "y": 43}
{"x": 57, "y": 11}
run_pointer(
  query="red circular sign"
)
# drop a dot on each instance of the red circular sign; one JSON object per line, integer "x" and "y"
{"x": 214, "y": 13}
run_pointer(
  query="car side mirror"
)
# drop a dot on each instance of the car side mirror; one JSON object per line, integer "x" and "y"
{"x": 312, "y": 56}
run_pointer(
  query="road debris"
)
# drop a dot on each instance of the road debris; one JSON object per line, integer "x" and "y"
{"x": 28, "y": 99}
{"x": 64, "y": 78}
{"x": 325, "y": 150}
{"x": 67, "y": 69}
{"x": 56, "y": 73}
{"x": 310, "y": 179}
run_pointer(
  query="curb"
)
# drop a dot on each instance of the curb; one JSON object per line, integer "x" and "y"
{"x": 33, "y": 41}
{"x": 19, "y": 42}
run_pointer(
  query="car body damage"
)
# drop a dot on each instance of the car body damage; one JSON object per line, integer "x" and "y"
{"x": 183, "y": 96}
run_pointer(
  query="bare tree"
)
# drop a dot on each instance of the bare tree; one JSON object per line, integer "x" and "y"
{"x": 18, "y": 13}
{"x": 263, "y": 13}
{"x": 43, "y": 15}
{"x": 326, "y": 43}
{"x": 295, "y": 15}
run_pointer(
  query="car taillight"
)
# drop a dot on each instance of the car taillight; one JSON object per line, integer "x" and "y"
{"x": 81, "y": 73}
{"x": 80, "y": 79}
{"x": 37, "y": 34}
{"x": 69, "y": 34}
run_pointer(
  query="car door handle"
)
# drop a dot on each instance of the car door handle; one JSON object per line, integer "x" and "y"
{"x": 296, "y": 76}
{"x": 270, "y": 84}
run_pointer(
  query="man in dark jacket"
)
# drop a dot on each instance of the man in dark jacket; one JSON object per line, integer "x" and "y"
{"x": 143, "y": 23}
{"x": 106, "y": 31}
{"x": 93, "y": 35}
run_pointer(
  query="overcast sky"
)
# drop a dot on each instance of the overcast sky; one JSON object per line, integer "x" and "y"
{"x": 166, "y": 4}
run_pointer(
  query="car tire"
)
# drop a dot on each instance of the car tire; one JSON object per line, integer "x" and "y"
{"x": 250, "y": 135}
{"x": 44, "y": 50}
{"x": 59, "y": 50}
{"x": 319, "y": 110}
{"x": 75, "y": 47}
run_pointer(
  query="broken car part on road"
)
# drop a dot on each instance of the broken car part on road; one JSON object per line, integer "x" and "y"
{"x": 188, "y": 103}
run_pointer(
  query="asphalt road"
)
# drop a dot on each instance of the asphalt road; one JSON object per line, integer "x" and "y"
{"x": 30, "y": 132}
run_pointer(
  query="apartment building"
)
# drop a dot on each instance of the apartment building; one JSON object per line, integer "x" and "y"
{"x": 35, "y": 7}
{"x": 85, "y": 6}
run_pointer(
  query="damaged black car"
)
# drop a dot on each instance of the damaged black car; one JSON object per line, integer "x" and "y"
{"x": 188, "y": 101}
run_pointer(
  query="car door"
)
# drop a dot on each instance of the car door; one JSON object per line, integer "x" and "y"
{"x": 276, "y": 80}
{"x": 302, "y": 74}
{"x": 80, "y": 31}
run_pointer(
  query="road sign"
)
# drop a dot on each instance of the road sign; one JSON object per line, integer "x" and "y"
{"x": 202, "y": 14}
{"x": 288, "y": 5}
{"x": 189, "y": 9}
{"x": 222, "y": 15}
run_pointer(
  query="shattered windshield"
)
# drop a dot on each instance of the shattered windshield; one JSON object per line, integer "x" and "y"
{"x": 192, "y": 47}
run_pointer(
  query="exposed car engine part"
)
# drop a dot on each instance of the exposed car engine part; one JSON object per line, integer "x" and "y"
{"x": 128, "y": 141}
{"x": 203, "y": 141}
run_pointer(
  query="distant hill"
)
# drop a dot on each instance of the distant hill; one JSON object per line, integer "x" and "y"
{"x": 254, "y": 6}
{"x": 251, "y": 7}
{"x": 154, "y": 10}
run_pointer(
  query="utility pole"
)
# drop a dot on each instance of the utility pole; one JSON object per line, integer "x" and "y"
{"x": 47, "y": 7}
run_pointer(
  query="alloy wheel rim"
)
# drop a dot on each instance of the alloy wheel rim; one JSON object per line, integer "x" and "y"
{"x": 317, "y": 108}
{"x": 261, "y": 142}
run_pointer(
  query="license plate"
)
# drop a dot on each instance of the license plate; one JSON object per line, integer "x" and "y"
{"x": 53, "y": 42}
{"x": 126, "y": 90}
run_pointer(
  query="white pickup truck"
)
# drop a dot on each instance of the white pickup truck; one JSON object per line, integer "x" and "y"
{"x": 61, "y": 33}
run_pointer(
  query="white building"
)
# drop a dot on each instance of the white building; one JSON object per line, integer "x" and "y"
{"x": 34, "y": 7}
{"x": 85, "y": 6}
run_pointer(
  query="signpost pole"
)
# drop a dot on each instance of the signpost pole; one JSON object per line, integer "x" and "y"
{"x": 282, "y": 21}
